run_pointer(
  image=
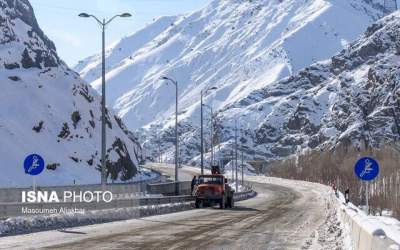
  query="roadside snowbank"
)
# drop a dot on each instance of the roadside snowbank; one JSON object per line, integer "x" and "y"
{"x": 143, "y": 175}
{"x": 241, "y": 188}
{"x": 22, "y": 225}
{"x": 390, "y": 225}
{"x": 386, "y": 229}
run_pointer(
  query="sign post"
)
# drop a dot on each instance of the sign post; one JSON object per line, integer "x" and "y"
{"x": 34, "y": 165}
{"x": 366, "y": 169}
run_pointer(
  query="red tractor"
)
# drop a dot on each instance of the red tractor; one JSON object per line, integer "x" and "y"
{"x": 213, "y": 189}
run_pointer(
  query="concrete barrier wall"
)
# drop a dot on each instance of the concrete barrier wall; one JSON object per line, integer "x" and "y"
{"x": 364, "y": 235}
{"x": 169, "y": 188}
{"x": 244, "y": 195}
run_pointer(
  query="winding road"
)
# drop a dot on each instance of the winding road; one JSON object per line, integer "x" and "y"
{"x": 284, "y": 215}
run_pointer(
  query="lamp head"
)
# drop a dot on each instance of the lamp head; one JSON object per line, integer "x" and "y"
{"x": 125, "y": 15}
{"x": 84, "y": 15}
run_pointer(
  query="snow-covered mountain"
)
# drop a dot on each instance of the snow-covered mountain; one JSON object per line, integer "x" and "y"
{"x": 351, "y": 99}
{"x": 46, "y": 108}
{"x": 238, "y": 46}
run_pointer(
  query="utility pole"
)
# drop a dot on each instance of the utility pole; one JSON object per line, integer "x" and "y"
{"x": 159, "y": 149}
{"x": 242, "y": 157}
{"x": 201, "y": 134}
{"x": 233, "y": 177}
{"x": 236, "y": 157}
{"x": 176, "y": 133}
{"x": 176, "y": 137}
{"x": 103, "y": 109}
{"x": 203, "y": 91}
{"x": 103, "y": 25}
{"x": 212, "y": 137}
{"x": 211, "y": 134}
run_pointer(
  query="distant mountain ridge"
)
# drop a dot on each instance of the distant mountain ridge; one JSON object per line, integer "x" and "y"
{"x": 241, "y": 47}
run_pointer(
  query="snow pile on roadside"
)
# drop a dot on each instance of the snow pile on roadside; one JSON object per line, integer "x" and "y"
{"x": 241, "y": 188}
{"x": 21, "y": 225}
{"x": 136, "y": 195}
{"x": 143, "y": 175}
{"x": 390, "y": 225}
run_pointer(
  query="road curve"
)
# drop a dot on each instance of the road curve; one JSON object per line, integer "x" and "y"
{"x": 280, "y": 217}
{"x": 259, "y": 223}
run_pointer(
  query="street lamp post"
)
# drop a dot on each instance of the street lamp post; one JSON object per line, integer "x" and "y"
{"x": 212, "y": 133}
{"x": 176, "y": 132}
{"x": 212, "y": 136}
{"x": 203, "y": 91}
{"x": 103, "y": 25}
{"x": 233, "y": 172}
{"x": 241, "y": 141}
{"x": 236, "y": 158}
{"x": 201, "y": 134}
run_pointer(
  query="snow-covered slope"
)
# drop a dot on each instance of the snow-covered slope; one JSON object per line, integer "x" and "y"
{"x": 239, "y": 46}
{"x": 351, "y": 99}
{"x": 46, "y": 108}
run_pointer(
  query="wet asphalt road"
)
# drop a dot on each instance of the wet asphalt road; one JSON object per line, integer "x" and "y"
{"x": 279, "y": 217}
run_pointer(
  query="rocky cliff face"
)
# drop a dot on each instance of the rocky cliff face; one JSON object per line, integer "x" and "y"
{"x": 21, "y": 32}
{"x": 351, "y": 99}
{"x": 258, "y": 54}
{"x": 48, "y": 109}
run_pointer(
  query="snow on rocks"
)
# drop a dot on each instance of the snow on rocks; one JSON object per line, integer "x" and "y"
{"x": 240, "y": 47}
{"x": 47, "y": 109}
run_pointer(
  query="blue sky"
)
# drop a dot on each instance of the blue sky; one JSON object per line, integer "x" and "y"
{"x": 77, "y": 38}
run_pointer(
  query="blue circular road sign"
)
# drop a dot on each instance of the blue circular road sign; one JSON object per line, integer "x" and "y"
{"x": 366, "y": 169}
{"x": 33, "y": 164}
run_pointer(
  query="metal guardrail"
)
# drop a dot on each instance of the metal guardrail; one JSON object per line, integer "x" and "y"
{"x": 121, "y": 198}
{"x": 165, "y": 200}
{"x": 13, "y": 209}
{"x": 169, "y": 188}
{"x": 240, "y": 196}
{"x": 186, "y": 198}
{"x": 14, "y": 194}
